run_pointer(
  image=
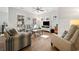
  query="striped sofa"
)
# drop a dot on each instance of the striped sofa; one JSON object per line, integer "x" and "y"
{"x": 17, "y": 41}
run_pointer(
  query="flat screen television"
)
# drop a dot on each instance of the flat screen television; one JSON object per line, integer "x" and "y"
{"x": 46, "y": 23}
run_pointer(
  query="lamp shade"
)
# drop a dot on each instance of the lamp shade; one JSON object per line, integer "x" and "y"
{"x": 35, "y": 26}
{"x": 74, "y": 22}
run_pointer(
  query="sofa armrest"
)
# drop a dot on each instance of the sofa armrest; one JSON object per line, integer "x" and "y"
{"x": 61, "y": 43}
{"x": 16, "y": 42}
{"x": 22, "y": 42}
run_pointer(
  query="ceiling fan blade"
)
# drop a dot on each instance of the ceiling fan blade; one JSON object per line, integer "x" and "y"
{"x": 38, "y": 9}
{"x": 41, "y": 10}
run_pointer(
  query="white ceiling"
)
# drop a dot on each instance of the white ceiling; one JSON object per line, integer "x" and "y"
{"x": 33, "y": 11}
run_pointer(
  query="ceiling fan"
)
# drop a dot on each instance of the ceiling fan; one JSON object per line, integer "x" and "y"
{"x": 38, "y": 9}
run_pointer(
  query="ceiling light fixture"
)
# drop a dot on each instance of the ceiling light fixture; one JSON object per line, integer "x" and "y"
{"x": 38, "y": 9}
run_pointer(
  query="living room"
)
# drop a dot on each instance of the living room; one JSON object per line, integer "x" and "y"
{"x": 40, "y": 23}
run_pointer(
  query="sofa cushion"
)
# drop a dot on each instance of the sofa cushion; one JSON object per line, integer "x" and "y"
{"x": 77, "y": 44}
{"x": 12, "y": 32}
{"x": 64, "y": 34}
{"x": 71, "y": 32}
{"x": 75, "y": 40}
{"x": 75, "y": 36}
{"x": 6, "y": 34}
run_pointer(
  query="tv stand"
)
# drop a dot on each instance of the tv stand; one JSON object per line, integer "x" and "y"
{"x": 46, "y": 28}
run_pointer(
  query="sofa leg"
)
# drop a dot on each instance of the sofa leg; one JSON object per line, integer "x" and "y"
{"x": 29, "y": 44}
{"x": 51, "y": 44}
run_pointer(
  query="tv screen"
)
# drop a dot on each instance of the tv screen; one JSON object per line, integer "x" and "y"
{"x": 46, "y": 23}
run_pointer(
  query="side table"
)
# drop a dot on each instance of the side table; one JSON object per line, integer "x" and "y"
{"x": 2, "y": 43}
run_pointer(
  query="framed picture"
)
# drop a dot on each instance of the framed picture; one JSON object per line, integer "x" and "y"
{"x": 20, "y": 23}
{"x": 54, "y": 17}
{"x": 47, "y": 18}
{"x": 28, "y": 18}
{"x": 34, "y": 21}
{"x": 41, "y": 19}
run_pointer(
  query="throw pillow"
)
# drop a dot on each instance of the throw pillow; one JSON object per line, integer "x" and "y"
{"x": 70, "y": 32}
{"x": 64, "y": 34}
{"x": 12, "y": 32}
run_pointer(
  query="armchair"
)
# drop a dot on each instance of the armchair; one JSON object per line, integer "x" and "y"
{"x": 70, "y": 42}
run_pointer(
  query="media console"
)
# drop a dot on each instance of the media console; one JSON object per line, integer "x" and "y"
{"x": 46, "y": 29}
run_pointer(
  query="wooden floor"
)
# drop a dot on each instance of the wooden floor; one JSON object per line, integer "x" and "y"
{"x": 40, "y": 44}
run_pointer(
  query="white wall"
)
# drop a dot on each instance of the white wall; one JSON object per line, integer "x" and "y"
{"x": 3, "y": 15}
{"x": 65, "y": 15}
{"x": 50, "y": 16}
{"x": 13, "y": 12}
